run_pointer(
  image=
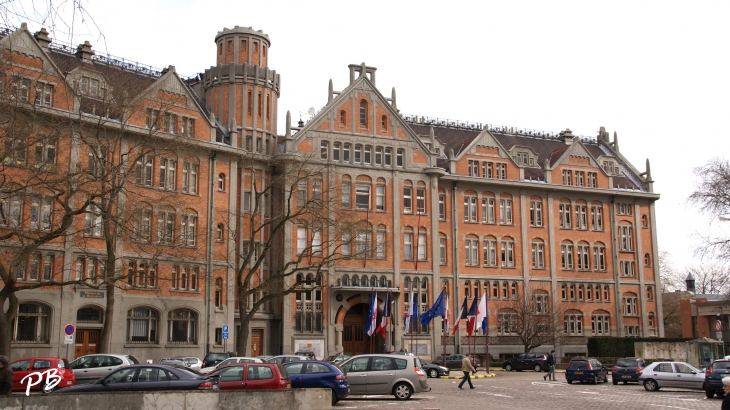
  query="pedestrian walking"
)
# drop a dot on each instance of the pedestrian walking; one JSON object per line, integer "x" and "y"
{"x": 6, "y": 377}
{"x": 468, "y": 370}
{"x": 726, "y": 390}
{"x": 551, "y": 366}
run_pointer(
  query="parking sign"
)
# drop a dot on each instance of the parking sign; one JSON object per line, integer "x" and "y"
{"x": 225, "y": 332}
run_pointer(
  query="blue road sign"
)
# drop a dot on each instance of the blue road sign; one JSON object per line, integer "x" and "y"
{"x": 225, "y": 335}
{"x": 225, "y": 328}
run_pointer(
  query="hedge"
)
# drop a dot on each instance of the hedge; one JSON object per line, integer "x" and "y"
{"x": 623, "y": 346}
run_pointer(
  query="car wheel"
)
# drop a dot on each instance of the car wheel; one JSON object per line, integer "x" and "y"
{"x": 538, "y": 368}
{"x": 651, "y": 385}
{"x": 615, "y": 382}
{"x": 570, "y": 382}
{"x": 508, "y": 367}
{"x": 433, "y": 373}
{"x": 594, "y": 380}
{"x": 709, "y": 393}
{"x": 47, "y": 389}
{"x": 334, "y": 397}
{"x": 402, "y": 391}
{"x": 626, "y": 382}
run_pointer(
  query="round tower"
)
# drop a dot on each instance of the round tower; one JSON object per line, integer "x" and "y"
{"x": 242, "y": 91}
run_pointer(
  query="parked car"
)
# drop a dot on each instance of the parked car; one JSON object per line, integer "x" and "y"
{"x": 308, "y": 353}
{"x": 264, "y": 358}
{"x": 25, "y": 366}
{"x": 239, "y": 376}
{"x": 212, "y": 359}
{"x": 433, "y": 369}
{"x": 191, "y": 362}
{"x": 713, "y": 377}
{"x": 93, "y": 367}
{"x": 527, "y": 361}
{"x": 398, "y": 375}
{"x": 453, "y": 361}
{"x": 139, "y": 377}
{"x": 586, "y": 369}
{"x": 627, "y": 370}
{"x": 286, "y": 358}
{"x": 316, "y": 374}
{"x": 671, "y": 374}
{"x": 174, "y": 362}
{"x": 230, "y": 361}
{"x": 336, "y": 359}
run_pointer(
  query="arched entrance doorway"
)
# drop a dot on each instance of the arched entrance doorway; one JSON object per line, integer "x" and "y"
{"x": 354, "y": 339}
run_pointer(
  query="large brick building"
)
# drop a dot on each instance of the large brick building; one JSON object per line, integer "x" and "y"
{"x": 560, "y": 224}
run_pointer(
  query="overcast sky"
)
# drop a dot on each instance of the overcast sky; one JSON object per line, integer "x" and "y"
{"x": 654, "y": 72}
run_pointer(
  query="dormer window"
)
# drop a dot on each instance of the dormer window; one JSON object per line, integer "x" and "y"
{"x": 610, "y": 167}
{"x": 91, "y": 87}
{"x": 522, "y": 158}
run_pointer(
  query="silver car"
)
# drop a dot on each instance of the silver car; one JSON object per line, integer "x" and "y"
{"x": 230, "y": 360}
{"x": 393, "y": 374}
{"x": 93, "y": 367}
{"x": 671, "y": 374}
{"x": 191, "y": 362}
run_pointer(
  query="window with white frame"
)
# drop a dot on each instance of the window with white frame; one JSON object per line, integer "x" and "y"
{"x": 407, "y": 198}
{"x": 573, "y": 323}
{"x": 379, "y": 156}
{"x": 362, "y": 196}
{"x": 540, "y": 301}
{"x": 345, "y": 249}
{"x": 317, "y": 192}
{"x": 182, "y": 327}
{"x": 592, "y": 180}
{"x": 93, "y": 223}
{"x": 324, "y": 148}
{"x": 380, "y": 197}
{"x": 152, "y": 119}
{"x": 442, "y": 206}
{"x": 501, "y": 171}
{"x": 473, "y": 168}
{"x": 600, "y": 324}
{"x": 400, "y": 153}
{"x": 567, "y": 177}
{"x": 422, "y": 245}
{"x": 490, "y": 251}
{"x": 188, "y": 127}
{"x": 583, "y": 259}
{"x": 597, "y": 217}
{"x": 45, "y": 153}
{"x": 188, "y": 222}
{"x": 141, "y": 274}
{"x": 506, "y": 322}
{"x": 15, "y": 151}
{"x": 581, "y": 219}
{"x": 317, "y": 242}
{"x": 627, "y": 268}
{"x": 626, "y": 238}
{"x": 408, "y": 244}
{"x": 170, "y": 123}
{"x": 566, "y": 251}
{"x": 357, "y": 157}
{"x": 565, "y": 209}
{"x": 221, "y": 182}
{"x": 630, "y": 302}
{"x": 308, "y": 317}
{"x": 623, "y": 208}
{"x": 165, "y": 225}
{"x": 631, "y": 331}
{"x": 142, "y": 325}
{"x": 538, "y": 254}
{"x": 246, "y": 201}
{"x": 336, "y": 148}
{"x": 367, "y": 155}
{"x": 488, "y": 205}
{"x": 470, "y": 208}
{"x": 471, "y": 244}
{"x": 190, "y": 177}
{"x": 388, "y": 155}
{"x": 144, "y": 170}
{"x": 535, "y": 213}
{"x": 41, "y": 212}
{"x": 421, "y": 199}
{"x": 505, "y": 211}
{"x": 488, "y": 169}
{"x": 19, "y": 89}
{"x": 580, "y": 178}
{"x": 508, "y": 252}
{"x": 302, "y": 188}
{"x": 364, "y": 244}
{"x": 346, "y": 152}
{"x": 302, "y": 239}
{"x": 143, "y": 224}
{"x": 346, "y": 189}
{"x": 380, "y": 243}
{"x": 442, "y": 249}
{"x": 610, "y": 167}
{"x": 32, "y": 323}
{"x": 167, "y": 173}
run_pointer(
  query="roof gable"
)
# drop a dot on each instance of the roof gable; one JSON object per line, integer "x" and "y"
{"x": 22, "y": 41}
{"x": 562, "y": 156}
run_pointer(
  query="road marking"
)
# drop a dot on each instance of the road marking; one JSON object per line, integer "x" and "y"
{"x": 588, "y": 392}
{"x": 669, "y": 407}
{"x": 496, "y": 394}
{"x": 551, "y": 384}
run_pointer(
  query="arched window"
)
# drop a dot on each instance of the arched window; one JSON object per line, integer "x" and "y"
{"x": 345, "y": 280}
{"x": 573, "y": 323}
{"x": 219, "y": 293}
{"x": 343, "y": 118}
{"x": 182, "y": 327}
{"x": 566, "y": 254}
{"x": 630, "y": 304}
{"x": 142, "y": 325}
{"x": 384, "y": 123}
{"x": 600, "y": 323}
{"x": 364, "y": 281}
{"x": 355, "y": 280}
{"x": 188, "y": 223}
{"x": 363, "y": 114}
{"x": 649, "y": 293}
{"x": 221, "y": 182}
{"x": 383, "y": 282}
{"x": 89, "y": 314}
{"x": 540, "y": 300}
{"x": 647, "y": 260}
{"x": 32, "y": 324}
{"x": 507, "y": 322}
{"x": 644, "y": 221}
{"x": 373, "y": 281}
{"x": 219, "y": 232}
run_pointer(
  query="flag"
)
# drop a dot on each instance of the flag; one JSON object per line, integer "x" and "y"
{"x": 386, "y": 314}
{"x": 482, "y": 314}
{"x": 446, "y": 315}
{"x": 412, "y": 313}
{"x": 461, "y": 315}
{"x": 471, "y": 316}
{"x": 436, "y": 310}
{"x": 372, "y": 314}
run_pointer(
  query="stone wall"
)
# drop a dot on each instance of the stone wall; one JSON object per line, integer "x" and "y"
{"x": 303, "y": 399}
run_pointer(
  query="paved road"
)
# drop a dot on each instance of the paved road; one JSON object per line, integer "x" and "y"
{"x": 527, "y": 390}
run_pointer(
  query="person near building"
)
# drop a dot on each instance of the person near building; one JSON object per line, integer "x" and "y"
{"x": 468, "y": 370}
{"x": 726, "y": 390}
{"x": 551, "y": 366}
{"x": 6, "y": 377}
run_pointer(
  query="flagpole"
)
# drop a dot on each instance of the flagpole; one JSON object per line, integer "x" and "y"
{"x": 445, "y": 321}
{"x": 410, "y": 324}
{"x": 486, "y": 330}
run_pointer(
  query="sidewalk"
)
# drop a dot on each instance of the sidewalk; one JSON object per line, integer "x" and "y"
{"x": 474, "y": 376}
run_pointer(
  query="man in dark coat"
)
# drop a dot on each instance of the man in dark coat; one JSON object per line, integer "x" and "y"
{"x": 551, "y": 366}
{"x": 6, "y": 377}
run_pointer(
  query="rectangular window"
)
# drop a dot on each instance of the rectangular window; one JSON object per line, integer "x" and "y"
{"x": 346, "y": 153}
{"x": 408, "y": 246}
{"x": 367, "y": 155}
{"x": 188, "y": 127}
{"x": 152, "y": 118}
{"x": 580, "y": 178}
{"x": 421, "y": 200}
{"x": 336, "y": 151}
{"x": 442, "y": 251}
{"x": 565, "y": 216}
{"x": 581, "y": 221}
{"x": 43, "y": 93}
{"x": 93, "y": 223}
{"x": 505, "y": 211}
{"x": 358, "y": 154}
{"x": 346, "y": 187}
{"x": 324, "y": 148}
{"x": 167, "y": 174}
{"x": 538, "y": 255}
{"x": 599, "y": 258}
{"x": 508, "y": 254}
{"x": 488, "y": 169}
{"x": 489, "y": 216}
{"x": 535, "y": 213}
{"x": 583, "y": 263}
{"x": 399, "y": 157}
{"x": 19, "y": 89}
{"x": 470, "y": 208}
{"x": 422, "y": 246}
{"x": 490, "y": 253}
{"x": 567, "y": 177}
{"x": 380, "y": 197}
{"x": 597, "y": 217}
{"x": 599, "y": 323}
{"x": 170, "y": 123}
{"x": 187, "y": 230}
{"x": 592, "y": 178}
{"x": 472, "y": 249}
{"x": 626, "y": 238}
{"x": 380, "y": 245}
{"x": 378, "y": 155}
{"x": 317, "y": 192}
{"x": 442, "y": 206}
{"x": 567, "y": 256}
{"x": 362, "y": 196}
{"x": 624, "y": 209}
{"x": 501, "y": 171}
{"x": 388, "y": 152}
{"x": 630, "y": 306}
{"x": 247, "y": 201}
{"x": 627, "y": 268}
{"x": 407, "y": 199}
{"x": 317, "y": 242}
{"x": 345, "y": 248}
{"x": 190, "y": 178}
{"x": 144, "y": 171}
{"x": 165, "y": 223}
{"x": 301, "y": 239}
{"x": 473, "y": 167}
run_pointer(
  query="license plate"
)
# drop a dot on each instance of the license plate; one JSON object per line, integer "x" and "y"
{"x": 578, "y": 372}
{"x": 625, "y": 377}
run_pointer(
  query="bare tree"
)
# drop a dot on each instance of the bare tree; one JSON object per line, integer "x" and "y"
{"x": 710, "y": 278}
{"x": 671, "y": 278}
{"x": 712, "y": 196}
{"x": 297, "y": 194}
{"x": 532, "y": 319}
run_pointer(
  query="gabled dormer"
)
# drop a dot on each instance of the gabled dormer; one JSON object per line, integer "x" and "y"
{"x": 573, "y": 165}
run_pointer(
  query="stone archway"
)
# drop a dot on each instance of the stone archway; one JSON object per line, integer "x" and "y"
{"x": 354, "y": 339}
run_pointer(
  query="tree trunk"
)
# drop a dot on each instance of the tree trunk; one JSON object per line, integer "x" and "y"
{"x": 6, "y": 319}
{"x": 106, "y": 330}
{"x": 242, "y": 341}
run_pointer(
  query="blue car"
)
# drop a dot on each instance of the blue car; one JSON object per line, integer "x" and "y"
{"x": 582, "y": 369}
{"x": 316, "y": 374}
{"x": 713, "y": 377}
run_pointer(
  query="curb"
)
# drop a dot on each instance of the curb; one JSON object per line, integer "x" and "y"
{"x": 477, "y": 376}
{"x": 502, "y": 370}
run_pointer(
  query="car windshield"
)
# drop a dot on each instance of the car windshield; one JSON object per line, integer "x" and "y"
{"x": 187, "y": 372}
{"x": 627, "y": 363}
{"x": 721, "y": 365}
{"x": 330, "y": 358}
{"x": 577, "y": 364}
{"x": 132, "y": 359}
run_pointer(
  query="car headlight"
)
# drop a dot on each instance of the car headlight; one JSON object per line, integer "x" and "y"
{"x": 443, "y": 369}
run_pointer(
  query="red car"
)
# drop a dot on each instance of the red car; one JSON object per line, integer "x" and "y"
{"x": 269, "y": 376}
{"x": 40, "y": 368}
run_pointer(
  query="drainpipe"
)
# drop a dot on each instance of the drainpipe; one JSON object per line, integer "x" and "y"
{"x": 455, "y": 263}
{"x": 209, "y": 251}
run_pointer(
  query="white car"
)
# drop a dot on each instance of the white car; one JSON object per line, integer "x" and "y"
{"x": 192, "y": 362}
{"x": 93, "y": 367}
{"x": 230, "y": 360}
{"x": 671, "y": 374}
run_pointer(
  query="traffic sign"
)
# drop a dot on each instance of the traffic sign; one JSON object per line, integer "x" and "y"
{"x": 225, "y": 328}
{"x": 718, "y": 326}
{"x": 68, "y": 340}
{"x": 69, "y": 330}
{"x": 225, "y": 332}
